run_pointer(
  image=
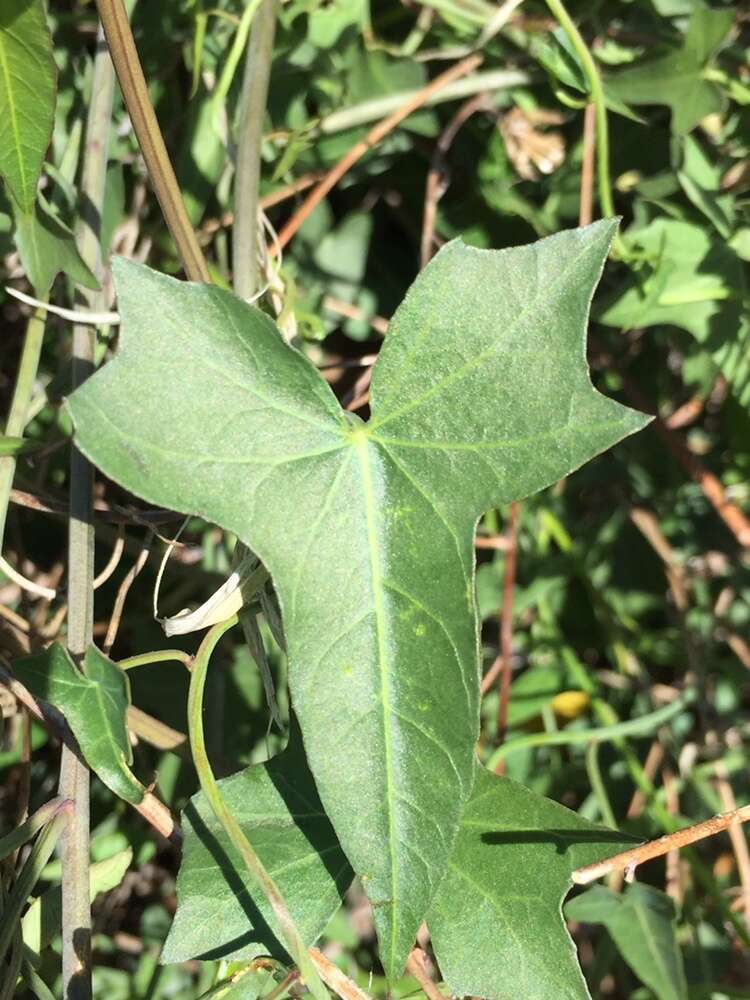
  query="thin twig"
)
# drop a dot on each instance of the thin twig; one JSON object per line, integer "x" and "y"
{"x": 737, "y": 836}
{"x": 114, "y": 559}
{"x": 373, "y": 137}
{"x": 122, "y": 47}
{"x": 735, "y": 520}
{"x": 628, "y": 861}
{"x": 122, "y": 593}
{"x": 586, "y": 201}
{"x": 437, "y": 176}
{"x": 335, "y": 978}
{"x": 73, "y": 315}
{"x": 415, "y": 965}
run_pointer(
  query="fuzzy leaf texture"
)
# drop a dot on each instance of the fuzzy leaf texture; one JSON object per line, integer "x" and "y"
{"x": 221, "y": 913}
{"x": 501, "y": 898}
{"x": 28, "y": 77}
{"x": 95, "y": 703}
{"x": 481, "y": 395}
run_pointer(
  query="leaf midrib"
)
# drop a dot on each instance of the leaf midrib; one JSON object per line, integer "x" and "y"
{"x": 361, "y": 446}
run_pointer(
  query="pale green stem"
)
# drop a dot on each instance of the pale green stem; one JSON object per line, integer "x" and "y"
{"x": 19, "y": 407}
{"x": 157, "y": 656}
{"x": 30, "y": 827}
{"x": 247, "y": 177}
{"x": 74, "y": 775}
{"x": 561, "y": 15}
{"x": 597, "y": 784}
{"x": 40, "y": 854}
{"x": 210, "y": 788}
{"x": 631, "y": 727}
{"x": 235, "y": 53}
{"x": 494, "y": 81}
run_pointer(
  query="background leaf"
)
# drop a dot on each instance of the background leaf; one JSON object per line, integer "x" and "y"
{"x": 642, "y": 924}
{"x": 677, "y": 79}
{"x": 94, "y": 704}
{"x": 27, "y": 96}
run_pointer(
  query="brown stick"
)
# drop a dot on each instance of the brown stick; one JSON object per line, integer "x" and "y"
{"x": 373, "y": 137}
{"x": 335, "y": 978}
{"x": 737, "y": 836}
{"x": 132, "y": 82}
{"x": 629, "y": 860}
{"x": 586, "y": 203}
{"x": 437, "y": 183}
{"x": 415, "y": 965}
{"x": 506, "y": 627}
{"x": 713, "y": 490}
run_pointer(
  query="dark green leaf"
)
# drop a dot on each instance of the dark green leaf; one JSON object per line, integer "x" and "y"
{"x": 677, "y": 78}
{"x": 221, "y": 913}
{"x": 28, "y": 76}
{"x": 94, "y": 705}
{"x": 697, "y": 283}
{"x": 496, "y": 922}
{"x": 481, "y": 396}
{"x": 47, "y": 246}
{"x": 642, "y": 924}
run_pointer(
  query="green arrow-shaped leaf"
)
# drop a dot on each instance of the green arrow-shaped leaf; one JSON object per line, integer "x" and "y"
{"x": 481, "y": 396}
{"x": 28, "y": 76}
{"x": 94, "y": 704}
{"x": 678, "y": 78}
{"x": 496, "y": 922}
{"x": 221, "y": 913}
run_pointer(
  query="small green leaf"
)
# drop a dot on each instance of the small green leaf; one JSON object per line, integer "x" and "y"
{"x": 677, "y": 78}
{"x": 481, "y": 395}
{"x": 47, "y": 246}
{"x": 696, "y": 283}
{"x": 94, "y": 705}
{"x": 28, "y": 77}
{"x": 221, "y": 913}
{"x": 496, "y": 922}
{"x": 642, "y": 924}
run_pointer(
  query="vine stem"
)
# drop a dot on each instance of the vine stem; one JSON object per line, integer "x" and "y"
{"x": 132, "y": 82}
{"x": 19, "y": 407}
{"x": 210, "y": 789}
{"x": 558, "y": 11}
{"x": 74, "y": 775}
{"x": 630, "y": 727}
{"x": 627, "y": 861}
{"x": 258, "y": 61}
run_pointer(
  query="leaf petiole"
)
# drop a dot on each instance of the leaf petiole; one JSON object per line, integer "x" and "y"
{"x": 210, "y": 789}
